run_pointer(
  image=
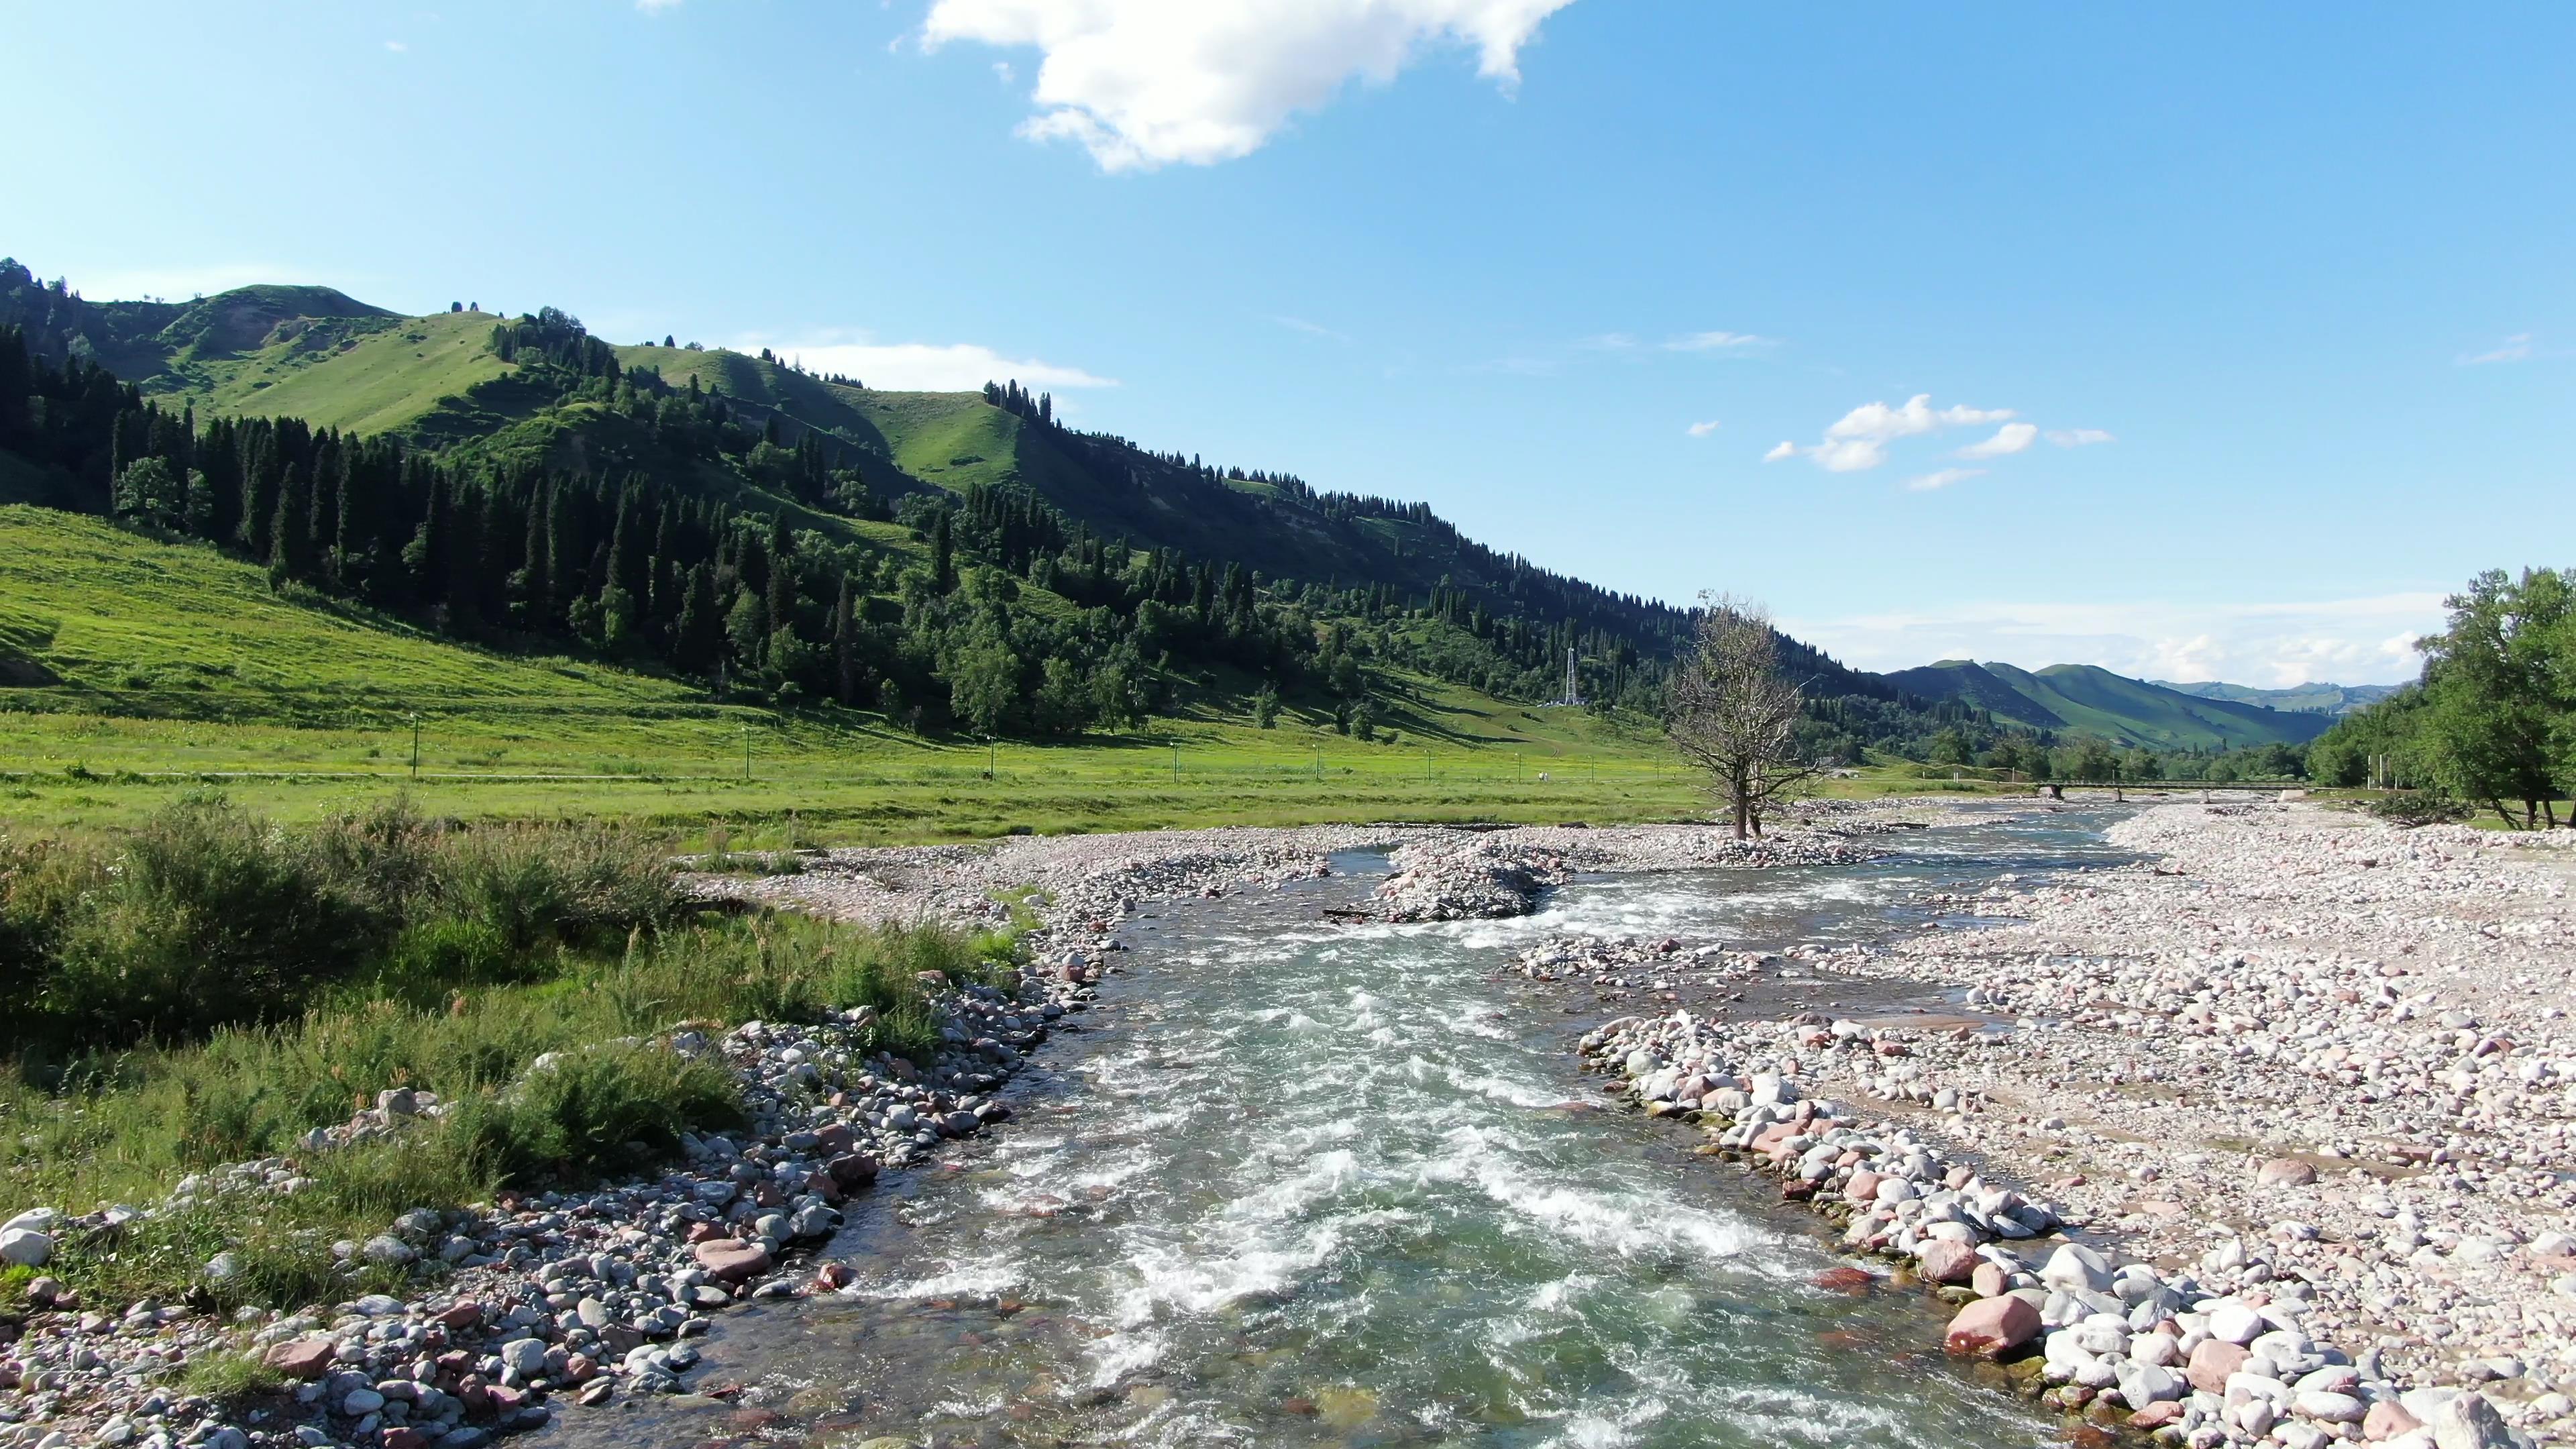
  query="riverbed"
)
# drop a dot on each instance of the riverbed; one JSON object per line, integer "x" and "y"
{"x": 1299, "y": 1182}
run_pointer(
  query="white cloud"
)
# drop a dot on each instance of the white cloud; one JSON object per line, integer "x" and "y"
{"x": 1002, "y": 72}
{"x": 396, "y": 46}
{"x": 1942, "y": 478}
{"x": 652, "y": 7}
{"x": 1143, "y": 83}
{"x": 2009, "y": 439}
{"x": 1858, "y": 439}
{"x": 1714, "y": 342}
{"x": 1610, "y": 342}
{"x": 2368, "y": 640}
{"x": 1702, "y": 430}
{"x": 927, "y": 367}
{"x": 2517, "y": 348}
{"x": 2078, "y": 437}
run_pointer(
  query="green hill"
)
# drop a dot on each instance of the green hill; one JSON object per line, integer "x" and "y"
{"x": 96, "y": 618}
{"x": 943, "y": 533}
{"x": 2086, "y": 699}
{"x": 2335, "y": 699}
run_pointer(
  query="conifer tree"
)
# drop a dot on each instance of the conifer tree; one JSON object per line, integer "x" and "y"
{"x": 699, "y": 635}
{"x": 845, "y": 643}
{"x": 291, "y": 531}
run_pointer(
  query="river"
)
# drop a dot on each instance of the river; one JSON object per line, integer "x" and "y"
{"x": 1300, "y": 1183}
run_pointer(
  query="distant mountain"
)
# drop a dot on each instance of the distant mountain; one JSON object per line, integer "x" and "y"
{"x": 2312, "y": 698}
{"x": 2083, "y": 698}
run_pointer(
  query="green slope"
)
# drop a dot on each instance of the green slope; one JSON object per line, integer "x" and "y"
{"x": 2133, "y": 711}
{"x": 1972, "y": 683}
{"x": 2313, "y": 698}
{"x": 2086, "y": 699}
{"x": 111, "y": 619}
{"x": 363, "y": 375}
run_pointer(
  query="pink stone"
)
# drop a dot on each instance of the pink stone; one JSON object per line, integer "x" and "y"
{"x": 728, "y": 1261}
{"x": 1946, "y": 1260}
{"x": 2388, "y": 1419}
{"x": 1863, "y": 1187}
{"x": 2285, "y": 1172}
{"x": 1993, "y": 1326}
{"x": 303, "y": 1358}
{"x": 2212, "y": 1362}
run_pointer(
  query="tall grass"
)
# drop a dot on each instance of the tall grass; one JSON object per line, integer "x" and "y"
{"x": 209, "y": 916}
{"x": 468, "y": 957}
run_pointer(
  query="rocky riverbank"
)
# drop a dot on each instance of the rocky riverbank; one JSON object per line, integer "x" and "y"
{"x": 2293, "y": 1091}
{"x": 531, "y": 1303}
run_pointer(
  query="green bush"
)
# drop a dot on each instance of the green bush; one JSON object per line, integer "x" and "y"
{"x": 206, "y": 916}
{"x": 535, "y": 883}
{"x": 590, "y": 1114}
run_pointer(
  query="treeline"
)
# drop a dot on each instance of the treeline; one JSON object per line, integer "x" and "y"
{"x": 652, "y": 574}
{"x": 657, "y": 559}
{"x": 2492, "y": 723}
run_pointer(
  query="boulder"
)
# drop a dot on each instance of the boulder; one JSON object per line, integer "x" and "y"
{"x": 2074, "y": 1266}
{"x": 2468, "y": 1421}
{"x": 2212, "y": 1362}
{"x": 2285, "y": 1172}
{"x": 2388, "y": 1419}
{"x": 1944, "y": 1260}
{"x": 1991, "y": 1327}
{"x": 729, "y": 1261}
{"x": 303, "y": 1358}
{"x": 2157, "y": 1414}
{"x": 26, "y": 1248}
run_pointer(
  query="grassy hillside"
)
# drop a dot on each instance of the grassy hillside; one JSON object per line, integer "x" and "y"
{"x": 134, "y": 671}
{"x": 372, "y": 375}
{"x": 2313, "y": 698}
{"x": 1971, "y": 683}
{"x": 2091, "y": 698}
{"x": 129, "y": 623}
{"x": 2083, "y": 698}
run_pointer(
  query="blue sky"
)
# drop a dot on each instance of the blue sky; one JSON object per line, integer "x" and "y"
{"x": 2197, "y": 341}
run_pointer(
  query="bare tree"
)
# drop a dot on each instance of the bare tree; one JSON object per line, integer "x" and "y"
{"x": 1729, "y": 711}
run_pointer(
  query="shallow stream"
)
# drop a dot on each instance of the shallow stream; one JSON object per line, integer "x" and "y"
{"x": 1299, "y": 1183}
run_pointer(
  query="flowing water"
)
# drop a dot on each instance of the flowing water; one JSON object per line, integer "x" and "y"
{"x": 1297, "y": 1183}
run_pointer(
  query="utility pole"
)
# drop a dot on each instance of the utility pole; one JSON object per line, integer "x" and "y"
{"x": 746, "y": 754}
{"x": 415, "y": 745}
{"x": 1176, "y": 761}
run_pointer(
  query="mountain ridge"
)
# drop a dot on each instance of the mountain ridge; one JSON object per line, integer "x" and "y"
{"x": 2086, "y": 698}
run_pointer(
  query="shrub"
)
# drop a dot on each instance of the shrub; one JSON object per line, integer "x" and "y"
{"x": 533, "y": 883}
{"x": 2419, "y": 807}
{"x": 585, "y": 1115}
{"x": 207, "y": 916}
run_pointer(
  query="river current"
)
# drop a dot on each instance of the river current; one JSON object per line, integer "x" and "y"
{"x": 1301, "y": 1183}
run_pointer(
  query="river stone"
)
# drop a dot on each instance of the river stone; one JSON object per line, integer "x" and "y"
{"x": 2075, "y": 1266}
{"x": 1946, "y": 1261}
{"x": 2334, "y": 1408}
{"x": 2213, "y": 1362}
{"x": 2142, "y": 1384}
{"x": 527, "y": 1356}
{"x": 2468, "y": 1422}
{"x": 2388, "y": 1419}
{"x": 2285, "y": 1172}
{"x": 2234, "y": 1322}
{"x": 303, "y": 1358}
{"x": 1992, "y": 1326}
{"x": 26, "y": 1248}
{"x": 728, "y": 1261}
